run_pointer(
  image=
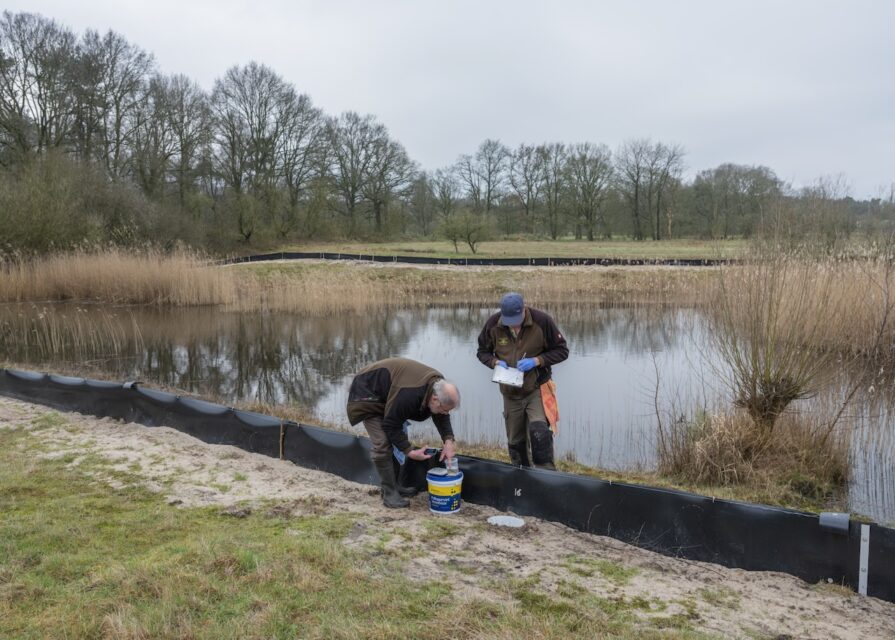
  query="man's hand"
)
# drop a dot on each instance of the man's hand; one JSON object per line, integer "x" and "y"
{"x": 526, "y": 364}
{"x": 448, "y": 450}
{"x": 501, "y": 363}
{"x": 418, "y": 454}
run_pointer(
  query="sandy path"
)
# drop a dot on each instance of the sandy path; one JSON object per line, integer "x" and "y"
{"x": 474, "y": 556}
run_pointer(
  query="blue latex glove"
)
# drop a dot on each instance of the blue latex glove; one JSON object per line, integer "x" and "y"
{"x": 501, "y": 363}
{"x": 526, "y": 364}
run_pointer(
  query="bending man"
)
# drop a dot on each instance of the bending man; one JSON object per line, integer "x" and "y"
{"x": 387, "y": 393}
{"x": 528, "y": 339}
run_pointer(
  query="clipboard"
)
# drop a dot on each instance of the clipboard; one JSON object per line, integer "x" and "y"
{"x": 512, "y": 376}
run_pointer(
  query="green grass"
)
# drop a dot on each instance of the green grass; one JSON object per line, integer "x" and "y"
{"x": 80, "y": 559}
{"x": 538, "y": 248}
{"x": 611, "y": 571}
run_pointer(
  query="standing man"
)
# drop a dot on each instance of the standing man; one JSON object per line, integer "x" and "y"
{"x": 385, "y": 394}
{"x": 528, "y": 339}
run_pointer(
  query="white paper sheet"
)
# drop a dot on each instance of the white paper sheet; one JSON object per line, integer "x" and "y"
{"x": 511, "y": 376}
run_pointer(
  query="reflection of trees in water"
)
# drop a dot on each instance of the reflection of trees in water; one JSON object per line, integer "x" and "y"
{"x": 461, "y": 322}
{"x": 281, "y": 357}
{"x": 633, "y": 328}
{"x": 271, "y": 357}
{"x": 639, "y": 328}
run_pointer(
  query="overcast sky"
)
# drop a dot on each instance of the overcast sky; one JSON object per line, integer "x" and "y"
{"x": 806, "y": 88}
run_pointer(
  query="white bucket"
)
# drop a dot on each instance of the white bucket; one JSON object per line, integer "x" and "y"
{"x": 444, "y": 490}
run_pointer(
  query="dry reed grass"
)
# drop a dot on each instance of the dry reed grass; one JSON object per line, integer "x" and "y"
{"x": 182, "y": 278}
{"x": 117, "y": 276}
{"x": 833, "y": 303}
{"x": 65, "y": 334}
{"x": 331, "y": 288}
{"x": 725, "y": 449}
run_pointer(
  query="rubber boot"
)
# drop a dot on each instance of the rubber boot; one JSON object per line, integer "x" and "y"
{"x": 390, "y": 496}
{"x": 405, "y": 486}
{"x": 519, "y": 453}
{"x": 541, "y": 445}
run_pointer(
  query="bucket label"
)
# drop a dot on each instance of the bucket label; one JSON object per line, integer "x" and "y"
{"x": 444, "y": 504}
{"x": 439, "y": 490}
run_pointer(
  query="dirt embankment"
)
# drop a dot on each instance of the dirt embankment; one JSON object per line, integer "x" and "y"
{"x": 474, "y": 556}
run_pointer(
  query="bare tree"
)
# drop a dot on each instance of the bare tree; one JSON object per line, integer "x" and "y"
{"x": 154, "y": 139}
{"x": 484, "y": 174}
{"x": 589, "y": 174}
{"x": 351, "y": 139}
{"x": 492, "y": 159}
{"x": 36, "y": 73}
{"x": 299, "y": 162}
{"x": 422, "y": 203}
{"x": 447, "y": 191}
{"x": 121, "y": 74}
{"x": 390, "y": 172}
{"x": 302, "y": 137}
{"x": 190, "y": 114}
{"x": 467, "y": 170}
{"x": 526, "y": 176}
{"x": 645, "y": 172}
{"x": 252, "y": 108}
{"x": 553, "y": 182}
{"x": 631, "y": 161}
{"x": 665, "y": 167}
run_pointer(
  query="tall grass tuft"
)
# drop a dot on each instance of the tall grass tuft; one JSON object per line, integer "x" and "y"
{"x": 725, "y": 449}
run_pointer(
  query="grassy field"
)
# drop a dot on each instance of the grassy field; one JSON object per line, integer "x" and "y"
{"x": 82, "y": 559}
{"x": 539, "y": 248}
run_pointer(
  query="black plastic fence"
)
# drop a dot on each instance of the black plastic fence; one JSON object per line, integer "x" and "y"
{"x": 675, "y": 523}
{"x": 505, "y": 262}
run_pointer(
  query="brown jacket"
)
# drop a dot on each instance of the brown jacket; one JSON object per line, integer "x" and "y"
{"x": 539, "y": 337}
{"x": 396, "y": 389}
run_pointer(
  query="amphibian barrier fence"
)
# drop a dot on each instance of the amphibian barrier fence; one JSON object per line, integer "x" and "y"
{"x": 815, "y": 548}
{"x": 479, "y": 262}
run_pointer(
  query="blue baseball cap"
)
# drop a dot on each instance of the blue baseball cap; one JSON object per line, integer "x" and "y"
{"x": 512, "y": 309}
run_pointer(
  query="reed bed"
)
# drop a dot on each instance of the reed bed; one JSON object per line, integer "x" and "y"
{"x": 182, "y": 278}
{"x": 117, "y": 276}
{"x": 830, "y": 303}
{"x": 328, "y": 288}
{"x": 69, "y": 334}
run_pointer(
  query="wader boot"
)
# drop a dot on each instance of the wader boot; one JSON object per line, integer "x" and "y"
{"x": 390, "y": 496}
{"x": 541, "y": 445}
{"x": 405, "y": 482}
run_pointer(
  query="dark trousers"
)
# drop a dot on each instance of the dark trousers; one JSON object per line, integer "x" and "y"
{"x": 382, "y": 448}
{"x": 526, "y": 422}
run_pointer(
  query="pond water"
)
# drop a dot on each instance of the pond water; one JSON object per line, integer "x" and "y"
{"x": 624, "y": 364}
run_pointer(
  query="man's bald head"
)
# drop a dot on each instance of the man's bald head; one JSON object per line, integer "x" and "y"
{"x": 445, "y": 397}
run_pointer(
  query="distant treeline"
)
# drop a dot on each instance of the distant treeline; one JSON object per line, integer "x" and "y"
{"x": 97, "y": 146}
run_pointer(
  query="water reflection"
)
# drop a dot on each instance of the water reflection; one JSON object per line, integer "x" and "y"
{"x": 607, "y": 389}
